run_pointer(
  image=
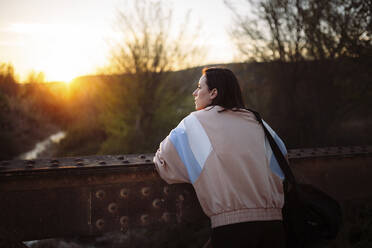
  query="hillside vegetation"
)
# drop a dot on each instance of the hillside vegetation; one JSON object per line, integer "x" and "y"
{"x": 310, "y": 104}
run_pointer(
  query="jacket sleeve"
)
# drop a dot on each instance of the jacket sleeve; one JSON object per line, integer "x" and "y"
{"x": 168, "y": 163}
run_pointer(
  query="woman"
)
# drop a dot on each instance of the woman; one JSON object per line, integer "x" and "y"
{"x": 222, "y": 150}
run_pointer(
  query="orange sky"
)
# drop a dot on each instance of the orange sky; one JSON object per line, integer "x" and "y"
{"x": 68, "y": 38}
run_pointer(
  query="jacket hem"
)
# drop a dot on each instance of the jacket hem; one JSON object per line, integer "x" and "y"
{"x": 246, "y": 215}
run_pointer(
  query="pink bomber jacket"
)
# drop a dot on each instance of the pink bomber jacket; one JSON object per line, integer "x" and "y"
{"x": 229, "y": 162}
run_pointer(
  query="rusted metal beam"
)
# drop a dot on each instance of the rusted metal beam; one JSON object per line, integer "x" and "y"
{"x": 87, "y": 196}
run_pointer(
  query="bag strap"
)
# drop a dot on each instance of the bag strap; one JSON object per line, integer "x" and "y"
{"x": 283, "y": 163}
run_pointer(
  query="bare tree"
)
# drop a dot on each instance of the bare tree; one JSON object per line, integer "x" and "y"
{"x": 150, "y": 43}
{"x": 150, "y": 48}
{"x": 294, "y": 30}
{"x": 318, "y": 49}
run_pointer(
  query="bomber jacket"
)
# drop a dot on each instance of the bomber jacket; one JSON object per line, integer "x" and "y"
{"x": 228, "y": 160}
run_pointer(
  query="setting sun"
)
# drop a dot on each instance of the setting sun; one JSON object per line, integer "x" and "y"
{"x": 59, "y": 70}
{"x": 66, "y": 39}
{"x": 63, "y": 39}
{"x": 64, "y": 52}
{"x": 61, "y": 51}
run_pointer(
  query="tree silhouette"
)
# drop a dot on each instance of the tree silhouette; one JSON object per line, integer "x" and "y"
{"x": 320, "y": 54}
{"x": 295, "y": 30}
{"x": 149, "y": 50}
{"x": 8, "y": 83}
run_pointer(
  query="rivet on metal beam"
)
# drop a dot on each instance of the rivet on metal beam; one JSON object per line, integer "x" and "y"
{"x": 121, "y": 157}
{"x": 145, "y": 191}
{"x": 100, "y": 194}
{"x": 124, "y": 220}
{"x": 124, "y": 193}
{"x": 145, "y": 219}
{"x": 78, "y": 160}
{"x": 54, "y": 165}
{"x": 30, "y": 164}
{"x": 79, "y": 164}
{"x": 100, "y": 223}
{"x": 166, "y": 190}
{"x": 126, "y": 161}
{"x": 102, "y": 162}
{"x": 181, "y": 197}
{"x": 166, "y": 217}
{"x": 148, "y": 160}
{"x": 156, "y": 203}
{"x": 113, "y": 207}
{"x": 142, "y": 156}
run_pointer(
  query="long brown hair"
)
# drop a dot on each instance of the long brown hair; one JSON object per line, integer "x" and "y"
{"x": 229, "y": 94}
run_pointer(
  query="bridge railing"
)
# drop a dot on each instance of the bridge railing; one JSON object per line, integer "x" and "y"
{"x": 94, "y": 195}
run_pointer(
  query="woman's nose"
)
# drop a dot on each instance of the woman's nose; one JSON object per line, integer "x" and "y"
{"x": 194, "y": 93}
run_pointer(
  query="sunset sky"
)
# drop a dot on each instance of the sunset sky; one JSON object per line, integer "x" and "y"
{"x": 68, "y": 38}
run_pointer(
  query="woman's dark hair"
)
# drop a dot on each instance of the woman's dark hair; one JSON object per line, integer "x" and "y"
{"x": 229, "y": 94}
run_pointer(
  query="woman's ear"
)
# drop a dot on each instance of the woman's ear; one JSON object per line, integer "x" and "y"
{"x": 213, "y": 93}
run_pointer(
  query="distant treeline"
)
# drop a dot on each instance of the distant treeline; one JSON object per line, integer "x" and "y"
{"x": 309, "y": 104}
{"x": 313, "y": 103}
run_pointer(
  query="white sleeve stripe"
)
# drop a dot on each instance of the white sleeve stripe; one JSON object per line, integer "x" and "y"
{"x": 198, "y": 139}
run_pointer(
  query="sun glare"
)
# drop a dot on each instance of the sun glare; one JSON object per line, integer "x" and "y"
{"x": 63, "y": 59}
{"x": 63, "y": 52}
{"x": 59, "y": 72}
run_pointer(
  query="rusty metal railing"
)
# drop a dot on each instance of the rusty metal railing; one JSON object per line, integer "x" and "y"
{"x": 93, "y": 195}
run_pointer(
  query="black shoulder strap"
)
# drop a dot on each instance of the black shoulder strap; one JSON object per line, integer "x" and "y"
{"x": 283, "y": 163}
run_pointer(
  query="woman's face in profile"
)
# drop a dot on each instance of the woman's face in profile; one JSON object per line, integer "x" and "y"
{"x": 202, "y": 95}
